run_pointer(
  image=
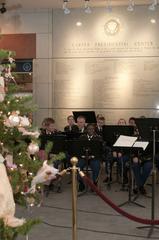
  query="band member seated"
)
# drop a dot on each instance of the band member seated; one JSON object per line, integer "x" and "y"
{"x": 48, "y": 127}
{"x": 100, "y": 125}
{"x": 141, "y": 163}
{"x": 81, "y": 124}
{"x": 141, "y": 170}
{"x": 71, "y": 127}
{"x": 94, "y": 161}
{"x": 121, "y": 122}
{"x": 133, "y": 123}
{"x": 120, "y": 158}
{"x": 49, "y": 130}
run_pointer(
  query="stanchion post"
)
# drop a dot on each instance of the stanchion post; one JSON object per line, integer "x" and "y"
{"x": 74, "y": 162}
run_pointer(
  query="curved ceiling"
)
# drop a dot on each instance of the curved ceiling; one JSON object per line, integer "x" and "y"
{"x": 72, "y": 3}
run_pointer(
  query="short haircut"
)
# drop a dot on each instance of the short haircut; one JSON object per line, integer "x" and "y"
{"x": 131, "y": 118}
{"x": 49, "y": 121}
{"x": 81, "y": 116}
{"x": 122, "y": 119}
{"x": 90, "y": 125}
{"x": 70, "y": 116}
{"x": 101, "y": 118}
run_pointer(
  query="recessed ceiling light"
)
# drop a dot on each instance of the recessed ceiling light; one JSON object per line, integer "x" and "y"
{"x": 78, "y": 24}
{"x": 153, "y": 20}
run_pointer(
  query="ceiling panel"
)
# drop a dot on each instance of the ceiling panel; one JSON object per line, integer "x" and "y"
{"x": 72, "y": 3}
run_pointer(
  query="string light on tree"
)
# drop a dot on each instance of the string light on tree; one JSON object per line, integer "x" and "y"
{"x": 14, "y": 119}
{"x": 33, "y": 148}
{"x": 24, "y": 122}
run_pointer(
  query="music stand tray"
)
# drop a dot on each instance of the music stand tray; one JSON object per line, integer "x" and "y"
{"x": 127, "y": 143}
{"x": 59, "y": 143}
{"x": 112, "y": 132}
{"x": 87, "y": 150}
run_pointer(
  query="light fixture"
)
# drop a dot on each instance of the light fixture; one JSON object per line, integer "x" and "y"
{"x": 109, "y": 7}
{"x": 153, "y": 20}
{"x": 87, "y": 8}
{"x": 65, "y": 8}
{"x": 131, "y": 5}
{"x": 78, "y": 24}
{"x": 153, "y": 5}
{"x": 3, "y": 8}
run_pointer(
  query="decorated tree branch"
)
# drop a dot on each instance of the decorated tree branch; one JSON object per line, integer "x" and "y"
{"x": 21, "y": 169}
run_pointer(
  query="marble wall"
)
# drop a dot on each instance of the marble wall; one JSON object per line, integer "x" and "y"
{"x": 109, "y": 64}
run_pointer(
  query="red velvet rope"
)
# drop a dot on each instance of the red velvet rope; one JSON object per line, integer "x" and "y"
{"x": 116, "y": 208}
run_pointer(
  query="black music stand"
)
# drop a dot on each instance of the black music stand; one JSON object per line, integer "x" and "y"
{"x": 58, "y": 140}
{"x": 59, "y": 145}
{"x": 72, "y": 135}
{"x": 87, "y": 150}
{"x": 149, "y": 130}
{"x": 112, "y": 132}
{"x": 110, "y": 135}
{"x": 89, "y": 116}
{"x": 126, "y": 143}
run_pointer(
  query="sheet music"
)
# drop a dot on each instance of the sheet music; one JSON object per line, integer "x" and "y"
{"x": 125, "y": 141}
{"x": 141, "y": 144}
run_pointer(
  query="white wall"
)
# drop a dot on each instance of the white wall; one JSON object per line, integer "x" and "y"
{"x": 40, "y": 22}
{"x": 114, "y": 74}
{"x": 86, "y": 68}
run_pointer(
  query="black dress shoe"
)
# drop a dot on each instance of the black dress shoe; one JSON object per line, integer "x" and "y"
{"x": 81, "y": 187}
{"x": 135, "y": 191}
{"x": 59, "y": 190}
{"x": 142, "y": 190}
{"x": 107, "y": 180}
{"x": 69, "y": 182}
{"x": 125, "y": 180}
{"x": 51, "y": 187}
{"x": 95, "y": 183}
{"x": 46, "y": 190}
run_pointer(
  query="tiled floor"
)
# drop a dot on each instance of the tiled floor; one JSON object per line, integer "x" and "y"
{"x": 96, "y": 220}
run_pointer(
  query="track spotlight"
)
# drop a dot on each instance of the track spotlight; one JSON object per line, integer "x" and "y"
{"x": 131, "y": 5}
{"x": 3, "y": 8}
{"x": 153, "y": 5}
{"x": 65, "y": 8}
{"x": 87, "y": 8}
{"x": 109, "y": 7}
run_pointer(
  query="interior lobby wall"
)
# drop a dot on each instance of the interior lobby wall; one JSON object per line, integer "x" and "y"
{"x": 37, "y": 21}
{"x": 109, "y": 64}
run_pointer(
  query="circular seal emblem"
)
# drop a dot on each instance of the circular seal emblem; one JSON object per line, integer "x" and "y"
{"x": 112, "y": 27}
{"x": 27, "y": 67}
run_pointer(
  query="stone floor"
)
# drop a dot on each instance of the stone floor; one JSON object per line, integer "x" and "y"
{"x": 96, "y": 220}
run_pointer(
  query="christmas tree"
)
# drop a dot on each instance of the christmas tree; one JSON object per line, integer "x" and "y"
{"x": 19, "y": 161}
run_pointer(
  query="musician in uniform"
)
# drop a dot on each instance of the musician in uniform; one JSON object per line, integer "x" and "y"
{"x": 81, "y": 124}
{"x": 71, "y": 127}
{"x": 94, "y": 161}
{"x": 100, "y": 125}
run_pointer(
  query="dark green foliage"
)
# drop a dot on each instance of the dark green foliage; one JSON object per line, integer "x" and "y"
{"x": 8, "y": 233}
{"x": 15, "y": 144}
